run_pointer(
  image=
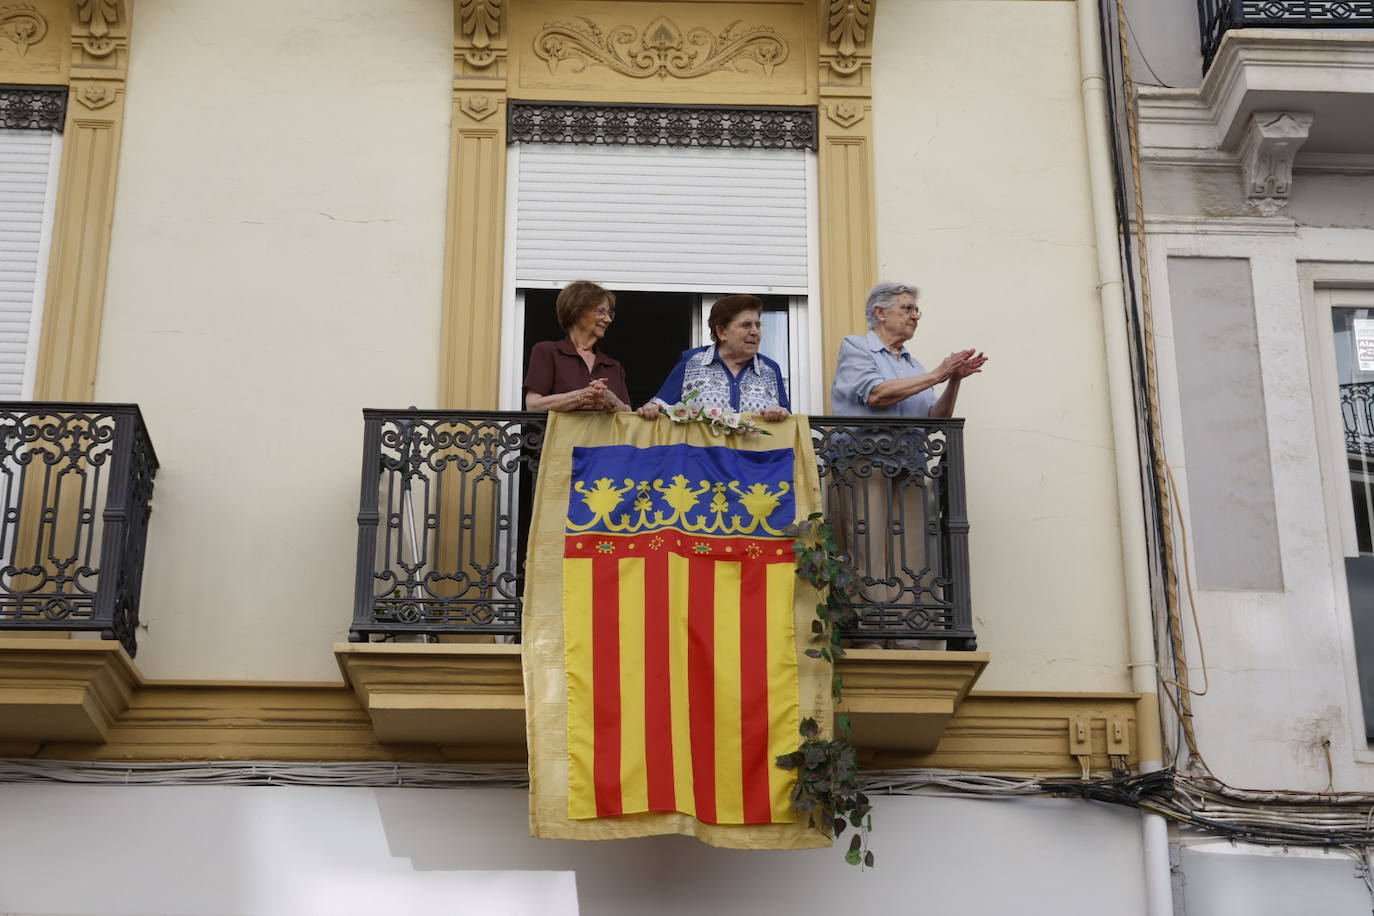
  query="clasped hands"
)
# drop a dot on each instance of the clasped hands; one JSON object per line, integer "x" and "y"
{"x": 960, "y": 365}
{"x": 596, "y": 396}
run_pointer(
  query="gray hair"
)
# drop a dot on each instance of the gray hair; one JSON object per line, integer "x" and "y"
{"x": 881, "y": 297}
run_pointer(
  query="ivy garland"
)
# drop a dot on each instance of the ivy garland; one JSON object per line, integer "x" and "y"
{"x": 827, "y": 786}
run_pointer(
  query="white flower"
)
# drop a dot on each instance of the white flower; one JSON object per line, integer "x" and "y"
{"x": 732, "y": 420}
{"x": 679, "y": 413}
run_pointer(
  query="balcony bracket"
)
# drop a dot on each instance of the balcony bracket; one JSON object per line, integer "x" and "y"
{"x": 62, "y": 689}
{"x": 902, "y": 700}
{"x": 467, "y": 698}
{"x": 1266, "y": 158}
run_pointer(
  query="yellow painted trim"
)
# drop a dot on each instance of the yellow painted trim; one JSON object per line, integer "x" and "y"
{"x": 75, "y": 301}
{"x": 832, "y": 43}
{"x": 470, "y": 349}
{"x": 426, "y": 703}
{"x": 35, "y": 49}
{"x": 848, "y": 220}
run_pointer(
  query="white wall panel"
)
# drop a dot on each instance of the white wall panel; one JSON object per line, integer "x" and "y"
{"x": 27, "y": 194}
{"x": 648, "y": 218}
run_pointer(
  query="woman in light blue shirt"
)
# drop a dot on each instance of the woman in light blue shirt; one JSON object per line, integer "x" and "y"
{"x": 881, "y": 498}
{"x": 877, "y": 377}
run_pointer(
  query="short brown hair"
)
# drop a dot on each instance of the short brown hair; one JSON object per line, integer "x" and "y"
{"x": 576, "y": 298}
{"x": 727, "y": 307}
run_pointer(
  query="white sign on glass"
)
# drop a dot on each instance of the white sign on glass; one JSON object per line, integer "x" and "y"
{"x": 1364, "y": 343}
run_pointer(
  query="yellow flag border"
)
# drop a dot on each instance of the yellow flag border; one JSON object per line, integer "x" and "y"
{"x": 542, "y": 630}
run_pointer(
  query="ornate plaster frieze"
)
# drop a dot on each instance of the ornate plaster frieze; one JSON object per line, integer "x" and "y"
{"x": 1266, "y": 157}
{"x": 98, "y": 19}
{"x": 479, "y": 24}
{"x": 848, "y": 32}
{"x": 662, "y": 49}
{"x": 33, "y": 108}
{"x": 846, "y": 112}
{"x": 22, "y": 25}
{"x": 646, "y": 125}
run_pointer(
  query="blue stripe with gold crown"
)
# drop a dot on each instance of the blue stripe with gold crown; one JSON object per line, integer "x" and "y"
{"x": 621, "y": 489}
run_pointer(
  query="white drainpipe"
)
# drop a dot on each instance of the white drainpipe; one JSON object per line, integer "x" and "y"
{"x": 1158, "y": 884}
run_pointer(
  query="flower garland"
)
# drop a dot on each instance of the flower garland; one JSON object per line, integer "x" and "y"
{"x": 719, "y": 421}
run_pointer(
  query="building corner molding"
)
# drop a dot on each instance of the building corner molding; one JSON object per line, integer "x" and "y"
{"x": 75, "y": 300}
{"x": 470, "y": 343}
{"x": 848, "y": 218}
{"x": 1271, "y": 143}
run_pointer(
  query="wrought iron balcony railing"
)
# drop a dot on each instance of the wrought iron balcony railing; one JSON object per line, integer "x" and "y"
{"x": 444, "y": 516}
{"x": 1357, "y": 416}
{"x": 1215, "y": 17}
{"x": 76, "y": 488}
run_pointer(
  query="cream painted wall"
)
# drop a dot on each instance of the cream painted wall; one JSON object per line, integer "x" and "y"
{"x": 266, "y": 850}
{"x": 276, "y": 266}
{"x": 982, "y": 184}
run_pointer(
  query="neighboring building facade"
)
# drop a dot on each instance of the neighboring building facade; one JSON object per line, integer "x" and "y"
{"x": 260, "y": 218}
{"x": 1258, "y": 193}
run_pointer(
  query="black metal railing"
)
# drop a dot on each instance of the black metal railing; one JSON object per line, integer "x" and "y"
{"x": 1215, "y": 17}
{"x": 76, "y": 489}
{"x": 1357, "y": 416}
{"x": 444, "y": 516}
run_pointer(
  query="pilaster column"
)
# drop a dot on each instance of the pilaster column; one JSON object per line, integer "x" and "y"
{"x": 848, "y": 249}
{"x": 474, "y": 247}
{"x": 75, "y": 298}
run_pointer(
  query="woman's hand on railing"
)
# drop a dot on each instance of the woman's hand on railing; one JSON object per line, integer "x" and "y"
{"x": 774, "y": 414}
{"x": 650, "y": 411}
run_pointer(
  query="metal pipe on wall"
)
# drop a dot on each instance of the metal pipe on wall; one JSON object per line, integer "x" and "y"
{"x": 1121, "y": 389}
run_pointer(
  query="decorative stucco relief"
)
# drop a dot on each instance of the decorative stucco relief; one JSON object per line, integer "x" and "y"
{"x": 98, "y": 17}
{"x": 479, "y": 24}
{"x": 1267, "y": 154}
{"x": 848, "y": 32}
{"x": 96, "y": 95}
{"x": 846, "y": 113}
{"x": 22, "y": 25}
{"x": 662, "y": 49}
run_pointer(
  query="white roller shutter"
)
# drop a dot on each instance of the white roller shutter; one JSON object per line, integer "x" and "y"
{"x": 28, "y": 161}
{"x": 727, "y": 220}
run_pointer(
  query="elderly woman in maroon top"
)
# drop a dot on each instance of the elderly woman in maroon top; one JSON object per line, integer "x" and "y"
{"x": 573, "y": 373}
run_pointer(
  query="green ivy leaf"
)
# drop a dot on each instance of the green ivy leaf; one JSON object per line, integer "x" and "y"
{"x": 868, "y": 859}
{"x": 853, "y": 857}
{"x": 809, "y": 728}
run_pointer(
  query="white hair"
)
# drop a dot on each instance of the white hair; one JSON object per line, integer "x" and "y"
{"x": 882, "y": 296}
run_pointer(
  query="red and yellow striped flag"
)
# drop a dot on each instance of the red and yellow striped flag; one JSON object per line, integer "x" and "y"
{"x": 673, "y": 655}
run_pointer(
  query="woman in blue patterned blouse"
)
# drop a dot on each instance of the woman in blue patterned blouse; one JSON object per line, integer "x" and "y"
{"x": 731, "y": 373}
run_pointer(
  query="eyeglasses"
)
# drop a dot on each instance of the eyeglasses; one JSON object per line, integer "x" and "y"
{"x": 604, "y": 313}
{"x": 909, "y": 309}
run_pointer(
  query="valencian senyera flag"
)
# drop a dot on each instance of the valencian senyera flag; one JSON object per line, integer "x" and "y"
{"x": 665, "y": 629}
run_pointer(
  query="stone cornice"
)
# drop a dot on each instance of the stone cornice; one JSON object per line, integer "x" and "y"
{"x": 462, "y": 702}
{"x": 1270, "y": 61}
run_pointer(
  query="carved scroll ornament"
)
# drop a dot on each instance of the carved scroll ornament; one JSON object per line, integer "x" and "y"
{"x": 99, "y": 17}
{"x": 479, "y": 22}
{"x": 848, "y": 31}
{"x": 662, "y": 49}
{"x": 22, "y": 25}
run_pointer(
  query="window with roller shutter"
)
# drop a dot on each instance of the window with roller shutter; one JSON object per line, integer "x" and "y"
{"x": 29, "y": 160}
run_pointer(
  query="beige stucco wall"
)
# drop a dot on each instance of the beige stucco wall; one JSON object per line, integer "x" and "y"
{"x": 983, "y": 202}
{"x": 276, "y": 266}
